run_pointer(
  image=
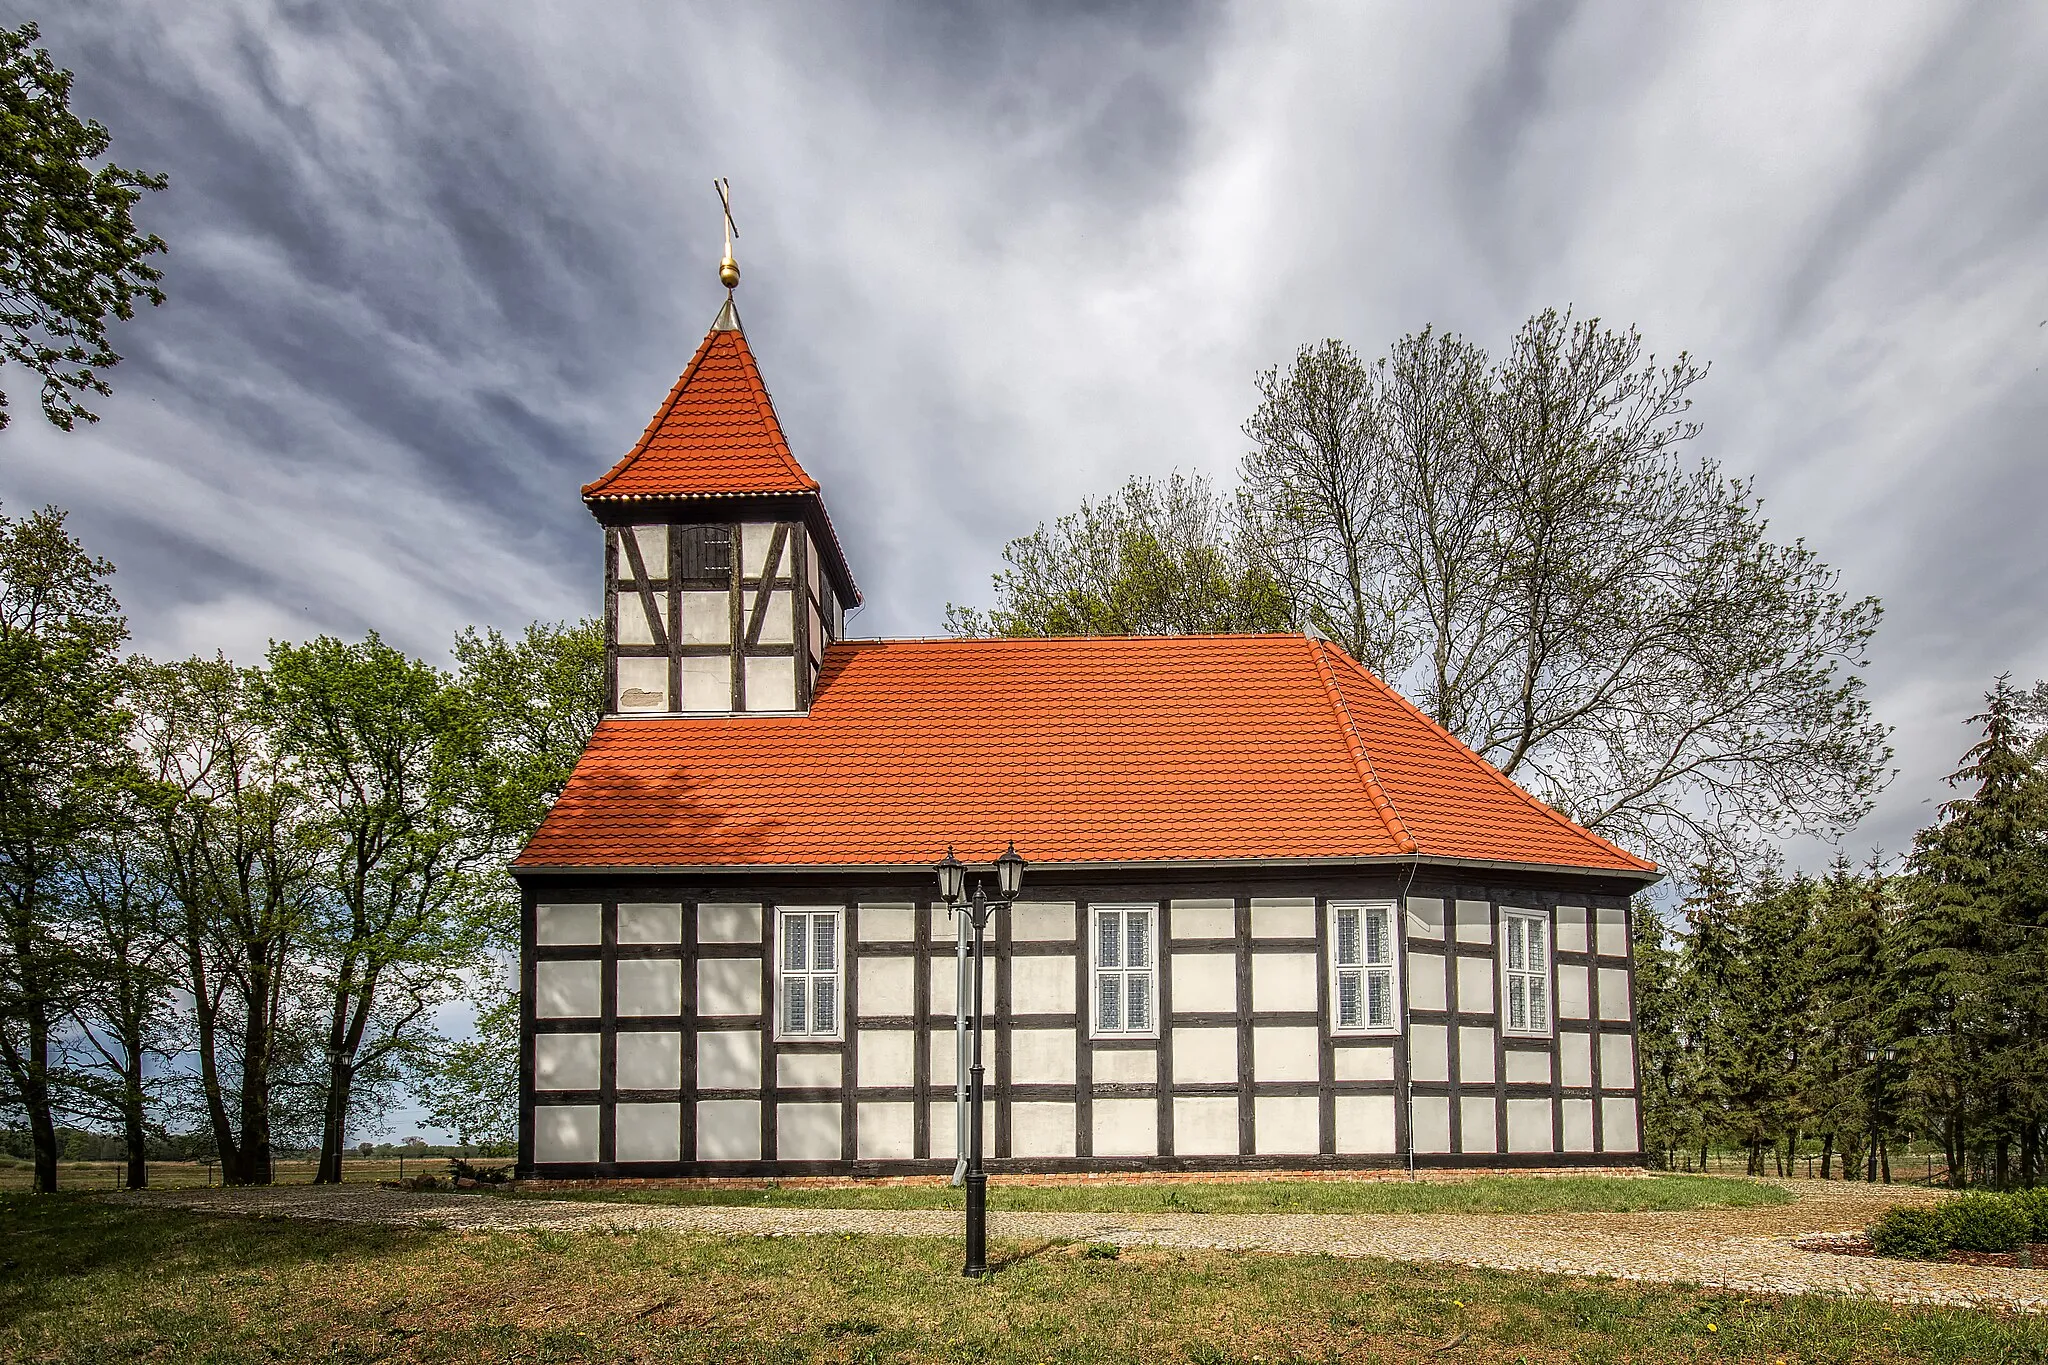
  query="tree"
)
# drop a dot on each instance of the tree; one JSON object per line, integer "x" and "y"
{"x": 470, "y": 1086}
{"x": 63, "y": 761}
{"x": 71, "y": 257}
{"x": 1521, "y": 546}
{"x": 539, "y": 699}
{"x": 1155, "y": 558}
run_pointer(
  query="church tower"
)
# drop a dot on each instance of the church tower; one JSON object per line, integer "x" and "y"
{"x": 723, "y": 579}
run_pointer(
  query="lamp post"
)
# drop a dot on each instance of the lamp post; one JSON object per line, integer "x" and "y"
{"x": 952, "y": 886}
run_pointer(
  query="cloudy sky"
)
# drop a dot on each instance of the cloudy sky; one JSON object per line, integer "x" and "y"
{"x": 433, "y": 265}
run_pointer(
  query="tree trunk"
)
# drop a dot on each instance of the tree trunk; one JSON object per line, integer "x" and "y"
{"x": 253, "y": 1164}
{"x": 134, "y": 1130}
{"x": 2001, "y": 1164}
{"x": 1827, "y": 1154}
{"x": 35, "y": 1098}
{"x": 333, "y": 1125}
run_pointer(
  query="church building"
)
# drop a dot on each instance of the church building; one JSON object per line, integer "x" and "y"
{"x": 1273, "y": 915}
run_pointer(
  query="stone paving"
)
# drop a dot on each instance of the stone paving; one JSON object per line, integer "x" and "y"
{"x": 1743, "y": 1249}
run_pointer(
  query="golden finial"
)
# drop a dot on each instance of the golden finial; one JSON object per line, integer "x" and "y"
{"x": 728, "y": 268}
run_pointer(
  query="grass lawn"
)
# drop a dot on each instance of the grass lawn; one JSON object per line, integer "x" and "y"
{"x": 84, "y": 1281}
{"x": 1483, "y": 1194}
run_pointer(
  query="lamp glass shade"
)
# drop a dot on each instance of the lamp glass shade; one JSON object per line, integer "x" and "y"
{"x": 952, "y": 878}
{"x": 1010, "y": 872}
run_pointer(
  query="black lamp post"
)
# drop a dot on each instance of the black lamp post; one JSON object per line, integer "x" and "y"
{"x": 952, "y": 884}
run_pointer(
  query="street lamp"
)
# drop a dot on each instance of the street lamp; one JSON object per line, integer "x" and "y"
{"x": 952, "y": 884}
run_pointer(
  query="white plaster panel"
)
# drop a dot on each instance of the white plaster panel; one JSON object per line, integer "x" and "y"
{"x": 728, "y": 923}
{"x": 568, "y": 990}
{"x": 644, "y": 923}
{"x": 707, "y": 682}
{"x": 1205, "y": 1125}
{"x": 771, "y": 683}
{"x": 1617, "y": 1124}
{"x": 650, "y": 1061}
{"x": 888, "y": 923}
{"x": 1430, "y": 1116}
{"x": 564, "y": 1132}
{"x": 1286, "y": 1125}
{"x": 1428, "y": 1053}
{"x": 1205, "y": 1056}
{"x": 755, "y": 538}
{"x": 1475, "y": 985}
{"x": 888, "y": 1057}
{"x": 1285, "y": 1054}
{"x": 1042, "y": 921}
{"x": 1042, "y": 1056}
{"x": 1365, "y": 1123}
{"x": 1527, "y": 1068}
{"x": 566, "y": 1061}
{"x": 1126, "y": 1066}
{"x": 729, "y": 1061}
{"x": 942, "y": 1055}
{"x": 1364, "y": 1064}
{"x": 778, "y": 618}
{"x": 1574, "y": 997}
{"x": 728, "y": 985}
{"x": 807, "y": 1070}
{"x": 1475, "y": 1117}
{"x": 1578, "y": 1125}
{"x": 1040, "y": 985}
{"x": 568, "y": 925}
{"x": 634, "y": 627}
{"x": 1571, "y": 928}
{"x": 643, "y": 684}
{"x": 1610, "y": 931}
{"x": 1475, "y": 922}
{"x": 945, "y": 984}
{"x": 1425, "y": 918}
{"x": 728, "y": 1130}
{"x": 1426, "y": 982}
{"x": 1475, "y": 1056}
{"x": 1126, "y": 1128}
{"x": 1204, "y": 919}
{"x": 647, "y": 1132}
{"x": 1204, "y": 983}
{"x": 1614, "y": 1002}
{"x": 807, "y": 1132}
{"x": 1617, "y": 1062}
{"x": 1283, "y": 981}
{"x": 1528, "y": 1125}
{"x": 1042, "y": 1129}
{"x": 944, "y": 1142}
{"x": 650, "y": 986}
{"x": 885, "y": 1132}
{"x": 887, "y": 985}
{"x": 1574, "y": 1060}
{"x": 653, "y": 547}
{"x": 1283, "y": 917}
{"x": 707, "y": 618}
{"x": 811, "y": 564}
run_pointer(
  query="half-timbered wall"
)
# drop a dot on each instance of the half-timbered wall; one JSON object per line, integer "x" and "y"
{"x": 653, "y": 1044}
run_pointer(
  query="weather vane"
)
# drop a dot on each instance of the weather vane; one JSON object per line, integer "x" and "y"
{"x": 728, "y": 268}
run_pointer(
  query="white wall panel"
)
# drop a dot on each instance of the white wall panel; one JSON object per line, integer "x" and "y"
{"x": 650, "y": 923}
{"x": 887, "y": 985}
{"x": 1428, "y": 1053}
{"x": 889, "y": 1057}
{"x": 634, "y": 625}
{"x": 1205, "y": 1125}
{"x": 1617, "y": 1124}
{"x": 728, "y": 1130}
{"x": 942, "y": 1055}
{"x": 1042, "y": 921}
{"x": 1042, "y": 1056}
{"x": 566, "y": 1061}
{"x": 647, "y": 1132}
{"x": 1040, "y": 985}
{"x": 945, "y": 981}
{"x": 707, "y": 682}
{"x": 652, "y": 542}
{"x": 728, "y": 923}
{"x": 1574, "y": 997}
{"x": 1283, "y": 917}
{"x": 1126, "y": 1127}
{"x": 771, "y": 683}
{"x": 807, "y": 1132}
{"x": 1204, "y": 919}
{"x": 1617, "y": 1062}
{"x": 1283, "y": 981}
{"x": 643, "y": 684}
{"x": 888, "y": 923}
{"x": 807, "y": 1070}
{"x": 1205, "y": 1056}
{"x": 1614, "y": 1001}
{"x": 1574, "y": 1059}
{"x": 885, "y": 1131}
{"x": 1285, "y": 1054}
{"x": 1475, "y": 1056}
{"x": 778, "y": 618}
{"x": 755, "y": 538}
{"x": 1610, "y": 932}
{"x": 942, "y": 1120}
{"x": 568, "y": 990}
{"x": 728, "y": 985}
{"x": 650, "y": 1061}
{"x": 1475, "y": 922}
{"x": 1123, "y": 1066}
{"x": 1528, "y": 1125}
{"x": 1286, "y": 1125}
{"x": 1363, "y": 1064}
{"x": 564, "y": 1132}
{"x": 1430, "y": 1118}
{"x": 1426, "y": 918}
{"x": 1527, "y": 1068}
{"x": 1578, "y": 1124}
{"x": 729, "y": 1061}
{"x": 1042, "y": 1129}
{"x": 1571, "y": 928}
{"x": 707, "y": 618}
{"x": 1365, "y": 1124}
{"x": 651, "y": 986}
{"x": 568, "y": 925}
{"x": 1475, "y": 985}
{"x": 1426, "y": 982}
{"x": 1204, "y": 983}
{"x": 1475, "y": 1115}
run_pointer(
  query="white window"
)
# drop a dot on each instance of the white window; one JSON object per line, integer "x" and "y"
{"x": 1525, "y": 971}
{"x": 1362, "y": 971}
{"x": 1126, "y": 971}
{"x": 807, "y": 973}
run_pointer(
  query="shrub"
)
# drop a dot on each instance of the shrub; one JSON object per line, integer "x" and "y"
{"x": 2034, "y": 1203}
{"x": 1917, "y": 1234}
{"x": 1985, "y": 1222}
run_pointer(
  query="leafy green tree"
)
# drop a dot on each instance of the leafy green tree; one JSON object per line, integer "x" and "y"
{"x": 1155, "y": 558}
{"x": 71, "y": 257}
{"x": 539, "y": 698}
{"x": 470, "y": 1086}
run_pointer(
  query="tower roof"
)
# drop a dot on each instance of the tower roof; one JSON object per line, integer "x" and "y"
{"x": 716, "y": 435}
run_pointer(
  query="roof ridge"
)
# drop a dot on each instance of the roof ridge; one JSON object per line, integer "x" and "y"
{"x": 1382, "y": 803}
{"x": 1498, "y": 776}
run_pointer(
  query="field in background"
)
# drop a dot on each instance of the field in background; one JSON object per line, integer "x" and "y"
{"x": 172, "y": 1175}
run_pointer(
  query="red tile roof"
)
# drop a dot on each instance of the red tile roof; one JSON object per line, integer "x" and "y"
{"x": 1084, "y": 750}
{"x": 715, "y": 436}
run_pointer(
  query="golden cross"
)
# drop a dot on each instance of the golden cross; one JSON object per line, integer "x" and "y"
{"x": 728, "y": 268}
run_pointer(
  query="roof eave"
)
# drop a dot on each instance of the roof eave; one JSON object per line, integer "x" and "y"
{"x": 1645, "y": 877}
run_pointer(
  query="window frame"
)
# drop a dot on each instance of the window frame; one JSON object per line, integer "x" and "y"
{"x": 785, "y": 973}
{"x": 1548, "y": 973}
{"x": 1096, "y": 971}
{"x": 1393, "y": 968}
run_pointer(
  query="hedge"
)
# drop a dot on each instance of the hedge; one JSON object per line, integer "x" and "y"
{"x": 1969, "y": 1222}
